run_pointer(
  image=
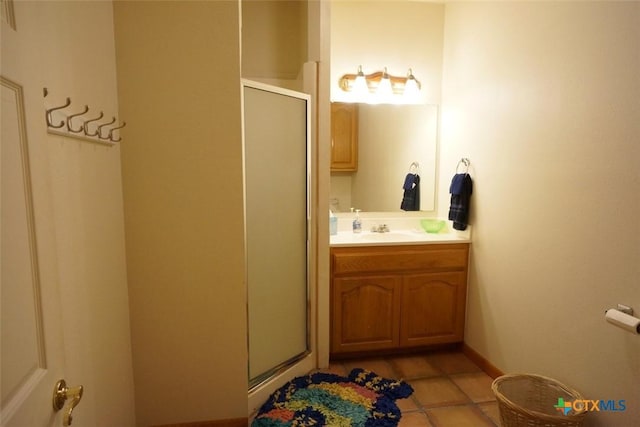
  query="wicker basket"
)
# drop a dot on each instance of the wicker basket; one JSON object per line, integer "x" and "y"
{"x": 527, "y": 400}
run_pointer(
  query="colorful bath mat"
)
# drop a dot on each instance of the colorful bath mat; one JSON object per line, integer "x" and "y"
{"x": 363, "y": 399}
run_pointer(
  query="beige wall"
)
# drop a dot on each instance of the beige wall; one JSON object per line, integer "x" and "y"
{"x": 543, "y": 99}
{"x": 179, "y": 86}
{"x": 395, "y": 34}
{"x": 274, "y": 39}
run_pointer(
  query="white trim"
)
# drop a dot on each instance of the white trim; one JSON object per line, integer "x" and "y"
{"x": 21, "y": 395}
{"x": 279, "y": 90}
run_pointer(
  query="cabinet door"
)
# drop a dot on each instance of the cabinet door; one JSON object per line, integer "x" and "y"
{"x": 344, "y": 137}
{"x": 433, "y": 308}
{"x": 365, "y": 313}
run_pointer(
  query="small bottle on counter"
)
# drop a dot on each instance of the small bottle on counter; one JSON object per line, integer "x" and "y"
{"x": 357, "y": 224}
{"x": 333, "y": 224}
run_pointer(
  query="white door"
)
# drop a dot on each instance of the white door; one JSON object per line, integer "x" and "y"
{"x": 31, "y": 358}
{"x": 64, "y": 307}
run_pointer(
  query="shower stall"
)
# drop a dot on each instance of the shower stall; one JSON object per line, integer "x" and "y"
{"x": 277, "y": 217}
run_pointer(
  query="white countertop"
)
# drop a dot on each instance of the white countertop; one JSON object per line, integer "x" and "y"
{"x": 397, "y": 237}
{"x": 403, "y": 230}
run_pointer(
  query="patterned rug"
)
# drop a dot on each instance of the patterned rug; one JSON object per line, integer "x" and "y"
{"x": 363, "y": 399}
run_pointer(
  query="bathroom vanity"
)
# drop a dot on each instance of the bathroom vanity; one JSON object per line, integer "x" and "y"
{"x": 397, "y": 295}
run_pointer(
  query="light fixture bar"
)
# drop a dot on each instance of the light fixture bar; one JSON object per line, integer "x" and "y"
{"x": 398, "y": 84}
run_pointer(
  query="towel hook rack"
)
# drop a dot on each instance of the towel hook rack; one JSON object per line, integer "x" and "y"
{"x": 103, "y": 133}
{"x": 466, "y": 162}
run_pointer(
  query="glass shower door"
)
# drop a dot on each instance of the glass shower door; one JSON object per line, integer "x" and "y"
{"x": 276, "y": 227}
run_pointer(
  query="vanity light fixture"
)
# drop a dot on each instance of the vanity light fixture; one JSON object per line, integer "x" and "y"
{"x": 411, "y": 87}
{"x": 360, "y": 88}
{"x": 385, "y": 89}
{"x": 381, "y": 84}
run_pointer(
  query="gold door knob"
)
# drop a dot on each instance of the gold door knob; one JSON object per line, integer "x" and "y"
{"x": 61, "y": 393}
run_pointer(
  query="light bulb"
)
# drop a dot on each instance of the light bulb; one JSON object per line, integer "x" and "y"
{"x": 360, "y": 88}
{"x": 385, "y": 91}
{"x": 411, "y": 89}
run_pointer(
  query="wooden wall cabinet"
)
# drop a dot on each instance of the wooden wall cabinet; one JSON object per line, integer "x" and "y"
{"x": 344, "y": 137}
{"x": 395, "y": 297}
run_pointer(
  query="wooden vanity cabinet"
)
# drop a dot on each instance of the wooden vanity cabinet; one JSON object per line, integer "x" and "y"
{"x": 366, "y": 312}
{"x": 344, "y": 137}
{"x": 395, "y": 297}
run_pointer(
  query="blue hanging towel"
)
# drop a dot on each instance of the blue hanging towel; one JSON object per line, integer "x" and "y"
{"x": 460, "y": 189}
{"x": 411, "y": 195}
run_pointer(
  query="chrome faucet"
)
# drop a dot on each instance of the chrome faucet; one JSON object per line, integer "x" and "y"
{"x": 382, "y": 228}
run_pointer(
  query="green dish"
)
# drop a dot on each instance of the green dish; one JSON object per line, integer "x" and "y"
{"x": 432, "y": 225}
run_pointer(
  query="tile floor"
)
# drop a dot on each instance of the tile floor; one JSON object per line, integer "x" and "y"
{"x": 449, "y": 389}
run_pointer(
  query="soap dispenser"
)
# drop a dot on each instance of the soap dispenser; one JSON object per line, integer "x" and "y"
{"x": 333, "y": 224}
{"x": 357, "y": 224}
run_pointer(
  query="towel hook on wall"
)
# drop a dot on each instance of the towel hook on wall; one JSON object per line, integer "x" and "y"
{"x": 86, "y": 123}
{"x": 51, "y": 110}
{"x": 116, "y": 128}
{"x": 463, "y": 161}
{"x": 103, "y": 132}
{"x": 71, "y": 116}
{"x": 113, "y": 120}
{"x": 414, "y": 167}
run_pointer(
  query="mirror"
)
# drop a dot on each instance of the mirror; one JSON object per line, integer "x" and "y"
{"x": 390, "y": 139}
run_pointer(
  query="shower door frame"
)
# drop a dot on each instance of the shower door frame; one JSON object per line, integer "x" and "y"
{"x": 261, "y": 386}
